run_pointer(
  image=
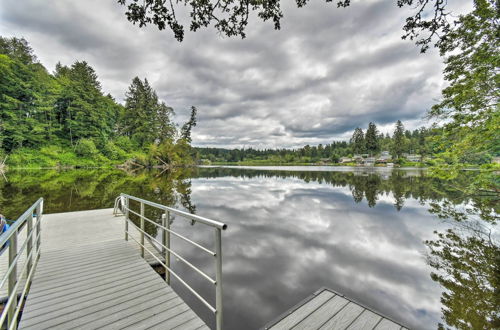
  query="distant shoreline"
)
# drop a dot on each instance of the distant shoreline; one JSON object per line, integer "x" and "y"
{"x": 294, "y": 167}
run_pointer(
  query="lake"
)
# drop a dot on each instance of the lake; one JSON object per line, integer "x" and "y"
{"x": 394, "y": 240}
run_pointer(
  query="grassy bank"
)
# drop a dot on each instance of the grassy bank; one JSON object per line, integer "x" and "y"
{"x": 56, "y": 157}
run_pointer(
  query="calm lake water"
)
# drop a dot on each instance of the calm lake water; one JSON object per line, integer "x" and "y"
{"x": 367, "y": 233}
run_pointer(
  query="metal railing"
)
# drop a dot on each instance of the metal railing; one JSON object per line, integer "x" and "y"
{"x": 8, "y": 240}
{"x": 122, "y": 203}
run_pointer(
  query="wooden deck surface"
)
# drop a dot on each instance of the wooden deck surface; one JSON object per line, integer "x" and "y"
{"x": 110, "y": 233}
{"x": 327, "y": 310}
{"x": 89, "y": 277}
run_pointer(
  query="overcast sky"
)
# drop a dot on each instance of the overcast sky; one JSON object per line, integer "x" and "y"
{"x": 326, "y": 72}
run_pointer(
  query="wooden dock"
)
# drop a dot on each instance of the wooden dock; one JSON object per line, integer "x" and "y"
{"x": 327, "y": 310}
{"x": 89, "y": 277}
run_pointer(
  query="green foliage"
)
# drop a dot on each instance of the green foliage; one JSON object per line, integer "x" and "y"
{"x": 398, "y": 140}
{"x": 358, "y": 141}
{"x": 187, "y": 127}
{"x": 68, "y": 110}
{"x": 145, "y": 119}
{"x": 86, "y": 148}
{"x": 470, "y": 102}
{"x": 230, "y": 17}
{"x": 113, "y": 152}
{"x": 423, "y": 139}
{"x": 371, "y": 139}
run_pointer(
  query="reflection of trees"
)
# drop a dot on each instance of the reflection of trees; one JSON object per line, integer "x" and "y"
{"x": 85, "y": 189}
{"x": 466, "y": 263}
{"x": 365, "y": 185}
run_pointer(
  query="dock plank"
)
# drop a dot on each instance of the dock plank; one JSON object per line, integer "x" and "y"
{"x": 327, "y": 310}
{"x": 93, "y": 278}
{"x": 320, "y": 316}
{"x": 387, "y": 325}
{"x": 344, "y": 317}
{"x": 367, "y": 320}
{"x": 303, "y": 311}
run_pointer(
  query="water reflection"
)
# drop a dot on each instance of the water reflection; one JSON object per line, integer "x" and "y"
{"x": 368, "y": 234}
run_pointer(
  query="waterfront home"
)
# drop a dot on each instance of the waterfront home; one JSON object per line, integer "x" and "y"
{"x": 414, "y": 158}
{"x": 346, "y": 160}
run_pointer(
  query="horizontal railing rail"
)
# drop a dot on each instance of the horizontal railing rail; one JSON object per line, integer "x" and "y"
{"x": 122, "y": 204}
{"x": 31, "y": 246}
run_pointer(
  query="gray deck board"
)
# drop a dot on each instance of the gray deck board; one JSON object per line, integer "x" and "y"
{"x": 92, "y": 278}
{"x": 320, "y": 316}
{"x": 367, "y": 320}
{"x": 343, "y": 318}
{"x": 303, "y": 311}
{"x": 387, "y": 325}
{"x": 328, "y": 310}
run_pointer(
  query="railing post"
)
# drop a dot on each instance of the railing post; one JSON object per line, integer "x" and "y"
{"x": 165, "y": 222}
{"x": 39, "y": 210}
{"x": 29, "y": 245}
{"x": 126, "y": 217}
{"x": 11, "y": 321}
{"x": 142, "y": 229}
{"x": 218, "y": 279}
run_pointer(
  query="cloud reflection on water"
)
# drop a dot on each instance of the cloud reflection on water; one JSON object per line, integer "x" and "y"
{"x": 288, "y": 238}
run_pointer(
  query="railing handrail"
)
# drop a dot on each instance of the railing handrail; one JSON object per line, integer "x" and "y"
{"x": 122, "y": 203}
{"x": 12, "y": 276}
{"x": 4, "y": 237}
{"x": 190, "y": 216}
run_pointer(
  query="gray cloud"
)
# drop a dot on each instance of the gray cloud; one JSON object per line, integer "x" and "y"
{"x": 326, "y": 72}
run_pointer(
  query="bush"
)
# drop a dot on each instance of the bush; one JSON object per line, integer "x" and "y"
{"x": 124, "y": 143}
{"x": 86, "y": 148}
{"x": 113, "y": 152}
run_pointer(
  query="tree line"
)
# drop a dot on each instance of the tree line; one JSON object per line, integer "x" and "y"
{"x": 422, "y": 141}
{"x": 67, "y": 112}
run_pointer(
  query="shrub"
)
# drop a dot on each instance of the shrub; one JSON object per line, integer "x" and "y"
{"x": 86, "y": 148}
{"x": 113, "y": 152}
{"x": 124, "y": 143}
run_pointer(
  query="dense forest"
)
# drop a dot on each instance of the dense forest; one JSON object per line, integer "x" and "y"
{"x": 65, "y": 119}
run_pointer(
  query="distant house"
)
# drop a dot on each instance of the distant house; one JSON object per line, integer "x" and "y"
{"x": 346, "y": 160}
{"x": 414, "y": 158}
{"x": 358, "y": 158}
{"x": 495, "y": 160}
{"x": 385, "y": 154}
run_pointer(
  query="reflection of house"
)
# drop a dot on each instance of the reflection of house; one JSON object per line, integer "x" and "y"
{"x": 414, "y": 158}
{"x": 345, "y": 160}
{"x": 370, "y": 161}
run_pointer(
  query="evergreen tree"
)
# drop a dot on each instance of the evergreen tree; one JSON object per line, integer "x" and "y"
{"x": 372, "y": 139}
{"x": 166, "y": 129}
{"x": 186, "y": 128}
{"x": 358, "y": 141}
{"x": 398, "y": 140}
{"x": 140, "y": 116}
